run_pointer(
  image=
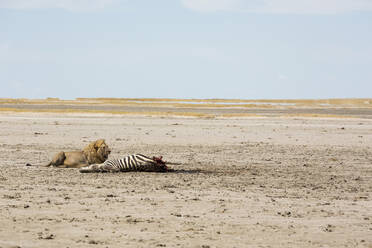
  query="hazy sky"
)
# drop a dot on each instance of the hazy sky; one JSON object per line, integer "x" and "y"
{"x": 186, "y": 48}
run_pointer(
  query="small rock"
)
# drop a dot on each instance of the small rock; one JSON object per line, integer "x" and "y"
{"x": 328, "y": 228}
{"x": 47, "y": 236}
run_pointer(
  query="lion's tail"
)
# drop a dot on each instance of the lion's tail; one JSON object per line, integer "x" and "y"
{"x": 40, "y": 165}
{"x": 47, "y": 165}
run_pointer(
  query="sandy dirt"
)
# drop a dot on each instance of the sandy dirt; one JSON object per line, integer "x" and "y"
{"x": 253, "y": 182}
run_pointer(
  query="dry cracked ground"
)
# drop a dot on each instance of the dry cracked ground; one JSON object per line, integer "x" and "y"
{"x": 254, "y": 182}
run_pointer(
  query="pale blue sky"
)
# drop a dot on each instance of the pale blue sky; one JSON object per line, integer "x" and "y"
{"x": 249, "y": 49}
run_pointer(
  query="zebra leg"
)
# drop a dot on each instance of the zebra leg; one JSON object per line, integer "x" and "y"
{"x": 90, "y": 168}
{"x": 98, "y": 168}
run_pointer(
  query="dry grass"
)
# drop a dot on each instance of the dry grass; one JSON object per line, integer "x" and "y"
{"x": 200, "y": 103}
{"x": 232, "y": 115}
{"x": 190, "y": 106}
{"x": 318, "y": 115}
{"x": 165, "y": 114}
{"x": 93, "y": 111}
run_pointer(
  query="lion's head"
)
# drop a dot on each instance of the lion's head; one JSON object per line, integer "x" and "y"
{"x": 97, "y": 152}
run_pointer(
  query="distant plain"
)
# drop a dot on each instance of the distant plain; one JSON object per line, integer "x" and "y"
{"x": 208, "y": 108}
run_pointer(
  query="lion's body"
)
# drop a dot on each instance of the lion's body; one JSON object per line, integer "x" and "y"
{"x": 95, "y": 152}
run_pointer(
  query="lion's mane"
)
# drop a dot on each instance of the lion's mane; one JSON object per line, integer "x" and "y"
{"x": 96, "y": 152}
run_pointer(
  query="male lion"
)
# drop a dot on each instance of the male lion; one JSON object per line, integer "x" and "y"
{"x": 95, "y": 153}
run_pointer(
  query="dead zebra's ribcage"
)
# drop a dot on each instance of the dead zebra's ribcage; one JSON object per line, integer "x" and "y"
{"x": 135, "y": 162}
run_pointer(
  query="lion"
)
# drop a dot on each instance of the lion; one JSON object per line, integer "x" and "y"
{"x": 95, "y": 153}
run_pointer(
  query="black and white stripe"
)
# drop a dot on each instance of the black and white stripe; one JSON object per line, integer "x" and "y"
{"x": 135, "y": 162}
